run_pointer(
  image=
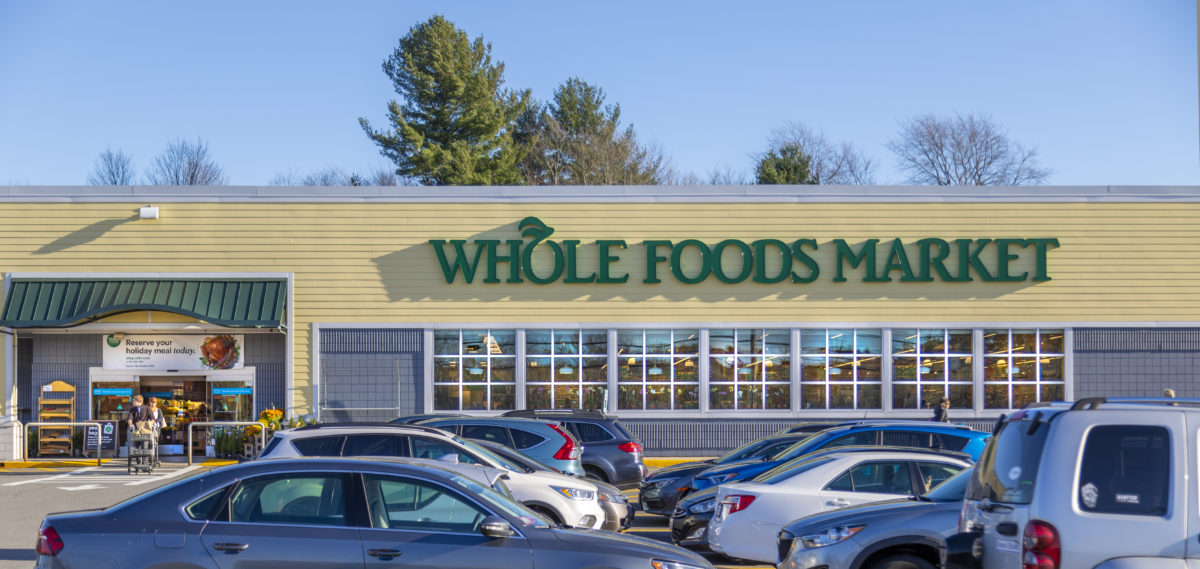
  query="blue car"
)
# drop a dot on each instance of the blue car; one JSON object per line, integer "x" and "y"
{"x": 937, "y": 436}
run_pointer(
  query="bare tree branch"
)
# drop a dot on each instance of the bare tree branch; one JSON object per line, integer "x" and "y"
{"x": 112, "y": 169}
{"x": 829, "y": 163}
{"x": 185, "y": 164}
{"x": 963, "y": 151}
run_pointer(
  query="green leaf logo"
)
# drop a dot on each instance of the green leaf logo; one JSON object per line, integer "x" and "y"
{"x": 113, "y": 341}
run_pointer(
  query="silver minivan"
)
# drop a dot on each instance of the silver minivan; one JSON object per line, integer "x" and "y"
{"x": 1097, "y": 484}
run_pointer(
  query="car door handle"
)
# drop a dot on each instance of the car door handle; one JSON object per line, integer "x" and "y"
{"x": 837, "y": 502}
{"x": 231, "y": 547}
{"x": 384, "y": 554}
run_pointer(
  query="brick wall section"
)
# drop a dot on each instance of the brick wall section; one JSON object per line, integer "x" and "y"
{"x": 1136, "y": 362}
{"x": 371, "y": 374}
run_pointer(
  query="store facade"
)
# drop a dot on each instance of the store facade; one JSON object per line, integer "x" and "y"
{"x": 701, "y": 315}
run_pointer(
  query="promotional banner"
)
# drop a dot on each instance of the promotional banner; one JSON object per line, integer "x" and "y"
{"x": 154, "y": 352}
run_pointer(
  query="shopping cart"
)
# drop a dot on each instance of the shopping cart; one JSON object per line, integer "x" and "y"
{"x": 143, "y": 452}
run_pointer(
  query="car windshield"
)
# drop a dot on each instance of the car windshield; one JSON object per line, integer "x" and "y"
{"x": 499, "y": 502}
{"x": 952, "y": 489}
{"x": 803, "y": 447}
{"x": 789, "y": 469}
{"x": 496, "y": 459}
{"x": 745, "y": 451}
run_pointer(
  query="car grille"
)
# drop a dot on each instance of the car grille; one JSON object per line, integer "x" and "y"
{"x": 785, "y": 545}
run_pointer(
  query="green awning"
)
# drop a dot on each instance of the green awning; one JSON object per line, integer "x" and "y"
{"x": 60, "y": 303}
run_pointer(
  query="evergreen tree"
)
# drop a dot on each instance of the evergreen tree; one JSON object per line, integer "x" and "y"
{"x": 454, "y": 126}
{"x": 788, "y": 164}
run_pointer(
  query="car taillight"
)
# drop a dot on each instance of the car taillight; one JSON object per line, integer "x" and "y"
{"x": 736, "y": 503}
{"x": 48, "y": 542}
{"x": 1041, "y": 547}
{"x": 568, "y": 451}
{"x": 630, "y": 447}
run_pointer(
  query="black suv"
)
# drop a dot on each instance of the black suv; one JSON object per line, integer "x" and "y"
{"x": 610, "y": 452}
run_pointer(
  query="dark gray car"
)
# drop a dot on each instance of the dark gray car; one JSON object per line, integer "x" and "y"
{"x": 333, "y": 513}
{"x": 892, "y": 534}
{"x": 610, "y": 452}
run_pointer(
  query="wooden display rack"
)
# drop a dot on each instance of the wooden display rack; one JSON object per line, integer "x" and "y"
{"x": 57, "y": 403}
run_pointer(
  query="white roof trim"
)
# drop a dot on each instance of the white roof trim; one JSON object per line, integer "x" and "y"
{"x": 142, "y": 195}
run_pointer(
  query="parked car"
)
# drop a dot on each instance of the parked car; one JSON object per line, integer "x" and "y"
{"x": 618, "y": 513}
{"x": 689, "y": 522}
{"x": 661, "y": 490}
{"x": 926, "y": 435}
{"x": 610, "y": 452}
{"x": 880, "y": 535}
{"x": 749, "y": 515}
{"x": 1100, "y": 483}
{"x": 547, "y": 442}
{"x": 333, "y": 513}
{"x": 562, "y": 499}
{"x": 812, "y": 427}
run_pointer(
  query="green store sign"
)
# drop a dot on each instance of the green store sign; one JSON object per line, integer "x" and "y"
{"x": 732, "y": 261}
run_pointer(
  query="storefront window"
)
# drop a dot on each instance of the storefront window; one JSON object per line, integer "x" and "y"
{"x": 841, "y": 369}
{"x": 749, "y": 369}
{"x": 658, "y": 369}
{"x": 566, "y": 369}
{"x": 928, "y": 365}
{"x": 1022, "y": 366}
{"x": 474, "y": 370}
{"x": 232, "y": 401}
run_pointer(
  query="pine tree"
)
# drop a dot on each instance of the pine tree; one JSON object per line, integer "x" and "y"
{"x": 454, "y": 126}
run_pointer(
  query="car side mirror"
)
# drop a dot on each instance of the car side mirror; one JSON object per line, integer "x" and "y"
{"x": 495, "y": 527}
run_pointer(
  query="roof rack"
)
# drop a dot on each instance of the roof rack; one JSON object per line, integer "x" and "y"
{"x": 375, "y": 425}
{"x": 587, "y": 413}
{"x": 1089, "y": 403}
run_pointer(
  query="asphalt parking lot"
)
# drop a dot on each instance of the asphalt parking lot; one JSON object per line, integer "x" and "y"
{"x": 30, "y": 493}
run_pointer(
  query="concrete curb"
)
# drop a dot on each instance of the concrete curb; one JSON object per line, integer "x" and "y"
{"x": 665, "y": 461}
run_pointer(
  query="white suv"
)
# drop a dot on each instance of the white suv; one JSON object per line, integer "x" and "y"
{"x": 1098, "y": 484}
{"x": 562, "y": 499}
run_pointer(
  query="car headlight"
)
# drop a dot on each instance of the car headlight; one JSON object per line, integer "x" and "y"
{"x": 661, "y": 564}
{"x": 719, "y": 478}
{"x": 661, "y": 483}
{"x": 703, "y": 506}
{"x": 614, "y": 498}
{"x": 577, "y": 494}
{"x": 830, "y": 536}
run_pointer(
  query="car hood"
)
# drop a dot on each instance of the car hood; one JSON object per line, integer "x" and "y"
{"x": 560, "y": 480}
{"x": 893, "y": 512}
{"x": 698, "y": 496}
{"x": 599, "y": 540}
{"x": 681, "y": 469}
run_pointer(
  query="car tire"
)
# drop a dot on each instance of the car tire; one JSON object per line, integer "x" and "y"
{"x": 546, "y": 513}
{"x": 902, "y": 561}
{"x": 595, "y": 474}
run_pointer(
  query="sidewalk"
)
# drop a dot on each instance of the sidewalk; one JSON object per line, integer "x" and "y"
{"x": 665, "y": 461}
{"x": 83, "y": 462}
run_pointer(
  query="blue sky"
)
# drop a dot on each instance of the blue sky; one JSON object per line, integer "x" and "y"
{"x": 1105, "y": 89}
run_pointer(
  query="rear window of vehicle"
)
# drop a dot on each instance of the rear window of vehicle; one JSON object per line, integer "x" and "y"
{"x": 1008, "y": 469}
{"x": 271, "y": 444}
{"x": 592, "y": 433}
{"x": 951, "y": 442}
{"x": 1125, "y": 470}
{"x": 852, "y": 439}
{"x": 910, "y": 439}
{"x": 525, "y": 439}
{"x": 318, "y": 446}
{"x": 486, "y": 433}
{"x": 621, "y": 429}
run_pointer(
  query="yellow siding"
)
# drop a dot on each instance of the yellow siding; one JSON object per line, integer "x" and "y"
{"x": 370, "y": 263}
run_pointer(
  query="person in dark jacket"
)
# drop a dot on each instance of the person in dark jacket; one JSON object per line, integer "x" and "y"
{"x": 941, "y": 413}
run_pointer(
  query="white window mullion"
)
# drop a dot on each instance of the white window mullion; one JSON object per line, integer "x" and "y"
{"x": 703, "y": 369}
{"x": 519, "y": 369}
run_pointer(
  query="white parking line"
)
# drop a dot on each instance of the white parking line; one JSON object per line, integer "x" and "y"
{"x": 57, "y": 477}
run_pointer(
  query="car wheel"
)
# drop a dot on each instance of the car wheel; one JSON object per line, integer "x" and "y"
{"x": 903, "y": 561}
{"x": 546, "y": 513}
{"x": 595, "y": 474}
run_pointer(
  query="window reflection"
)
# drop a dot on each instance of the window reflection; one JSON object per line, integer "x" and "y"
{"x": 569, "y": 370}
{"x": 1023, "y": 366}
{"x": 933, "y": 363}
{"x": 656, "y": 369}
{"x": 847, "y": 373}
{"x": 474, "y": 370}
